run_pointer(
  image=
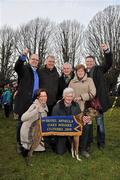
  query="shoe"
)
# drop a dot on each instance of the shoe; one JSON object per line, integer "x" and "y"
{"x": 85, "y": 154}
{"x": 101, "y": 147}
{"x": 88, "y": 149}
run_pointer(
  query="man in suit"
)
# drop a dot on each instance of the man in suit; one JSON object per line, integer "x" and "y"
{"x": 28, "y": 83}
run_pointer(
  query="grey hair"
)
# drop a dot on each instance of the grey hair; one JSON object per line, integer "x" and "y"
{"x": 49, "y": 56}
{"x": 68, "y": 90}
{"x": 67, "y": 64}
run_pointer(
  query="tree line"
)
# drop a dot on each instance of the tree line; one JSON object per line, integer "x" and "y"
{"x": 68, "y": 41}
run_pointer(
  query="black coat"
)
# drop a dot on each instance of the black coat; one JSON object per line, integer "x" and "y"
{"x": 61, "y": 110}
{"x": 98, "y": 78}
{"x": 49, "y": 81}
{"x": 63, "y": 84}
{"x": 24, "y": 98}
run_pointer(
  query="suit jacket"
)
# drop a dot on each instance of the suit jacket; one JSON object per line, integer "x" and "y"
{"x": 24, "y": 98}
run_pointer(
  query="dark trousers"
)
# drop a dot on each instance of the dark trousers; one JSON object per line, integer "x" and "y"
{"x": 84, "y": 139}
{"x": 7, "y": 110}
{"x": 50, "y": 108}
{"x": 24, "y": 152}
{"x": 60, "y": 144}
{"x": 19, "y": 124}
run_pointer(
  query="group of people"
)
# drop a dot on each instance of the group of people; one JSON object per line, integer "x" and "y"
{"x": 42, "y": 92}
{"x": 7, "y": 99}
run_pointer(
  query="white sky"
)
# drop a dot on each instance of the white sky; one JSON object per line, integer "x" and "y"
{"x": 16, "y": 12}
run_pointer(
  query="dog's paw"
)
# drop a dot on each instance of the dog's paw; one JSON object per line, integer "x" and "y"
{"x": 73, "y": 156}
{"x": 77, "y": 157}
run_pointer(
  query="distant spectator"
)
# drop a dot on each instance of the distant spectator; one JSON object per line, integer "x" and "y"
{"x": 6, "y": 100}
{"x": 1, "y": 91}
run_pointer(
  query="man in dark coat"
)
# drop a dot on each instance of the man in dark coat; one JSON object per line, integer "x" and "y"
{"x": 97, "y": 73}
{"x": 49, "y": 81}
{"x": 28, "y": 83}
{"x": 64, "y": 79}
{"x": 65, "y": 107}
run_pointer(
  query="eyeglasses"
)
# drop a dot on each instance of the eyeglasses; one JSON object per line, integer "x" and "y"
{"x": 42, "y": 96}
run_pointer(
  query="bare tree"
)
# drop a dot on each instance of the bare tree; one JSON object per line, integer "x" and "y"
{"x": 105, "y": 27}
{"x": 68, "y": 38}
{"x": 35, "y": 35}
{"x": 6, "y": 54}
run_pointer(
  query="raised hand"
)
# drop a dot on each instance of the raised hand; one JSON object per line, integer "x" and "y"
{"x": 104, "y": 47}
{"x": 25, "y": 51}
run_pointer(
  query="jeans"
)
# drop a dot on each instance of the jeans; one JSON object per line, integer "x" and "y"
{"x": 100, "y": 130}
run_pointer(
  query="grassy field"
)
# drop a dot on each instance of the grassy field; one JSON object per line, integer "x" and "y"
{"x": 103, "y": 165}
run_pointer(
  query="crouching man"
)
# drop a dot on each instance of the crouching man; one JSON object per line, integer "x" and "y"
{"x": 65, "y": 107}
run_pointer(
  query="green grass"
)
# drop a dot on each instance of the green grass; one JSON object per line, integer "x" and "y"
{"x": 103, "y": 165}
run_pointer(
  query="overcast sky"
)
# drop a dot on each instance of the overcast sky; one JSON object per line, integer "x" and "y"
{"x": 16, "y": 12}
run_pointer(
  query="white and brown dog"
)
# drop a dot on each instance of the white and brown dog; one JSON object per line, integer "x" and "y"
{"x": 82, "y": 119}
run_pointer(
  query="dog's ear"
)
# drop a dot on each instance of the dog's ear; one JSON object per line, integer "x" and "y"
{"x": 86, "y": 111}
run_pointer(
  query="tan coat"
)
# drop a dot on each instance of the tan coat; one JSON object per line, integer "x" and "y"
{"x": 29, "y": 117}
{"x": 83, "y": 88}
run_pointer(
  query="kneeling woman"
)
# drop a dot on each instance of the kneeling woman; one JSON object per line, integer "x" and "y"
{"x": 31, "y": 124}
